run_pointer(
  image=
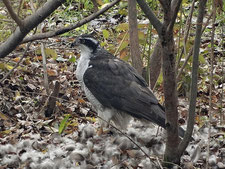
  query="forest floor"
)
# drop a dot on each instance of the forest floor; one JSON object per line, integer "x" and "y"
{"x": 71, "y": 137}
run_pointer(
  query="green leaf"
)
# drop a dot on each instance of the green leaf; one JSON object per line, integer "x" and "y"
{"x": 51, "y": 53}
{"x": 122, "y": 27}
{"x": 125, "y": 26}
{"x": 123, "y": 45}
{"x": 85, "y": 27}
{"x": 105, "y": 33}
{"x": 202, "y": 59}
{"x": 63, "y": 124}
{"x": 5, "y": 66}
{"x": 72, "y": 59}
{"x": 160, "y": 79}
{"x": 103, "y": 44}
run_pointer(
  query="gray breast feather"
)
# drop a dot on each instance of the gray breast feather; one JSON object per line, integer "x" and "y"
{"x": 118, "y": 117}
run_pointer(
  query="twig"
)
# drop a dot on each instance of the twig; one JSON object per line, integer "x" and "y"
{"x": 32, "y": 6}
{"x": 211, "y": 81}
{"x": 120, "y": 43}
{"x": 185, "y": 63}
{"x": 187, "y": 28}
{"x": 222, "y": 103}
{"x": 26, "y": 92}
{"x": 191, "y": 50}
{"x": 148, "y": 36}
{"x": 126, "y": 136}
{"x": 13, "y": 14}
{"x": 222, "y": 120}
{"x": 175, "y": 6}
{"x": 46, "y": 84}
{"x": 52, "y": 100}
{"x": 30, "y": 23}
{"x": 6, "y": 20}
{"x": 180, "y": 31}
{"x": 17, "y": 64}
{"x": 150, "y": 15}
{"x": 19, "y": 8}
{"x": 191, "y": 117}
{"x": 71, "y": 27}
{"x": 157, "y": 159}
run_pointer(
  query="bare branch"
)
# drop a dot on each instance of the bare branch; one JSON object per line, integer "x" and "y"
{"x": 187, "y": 29}
{"x": 166, "y": 10}
{"x": 29, "y": 22}
{"x": 191, "y": 116}
{"x": 127, "y": 137}
{"x": 19, "y": 8}
{"x": 191, "y": 50}
{"x": 71, "y": 27}
{"x": 52, "y": 100}
{"x": 17, "y": 64}
{"x": 163, "y": 3}
{"x": 46, "y": 81}
{"x": 13, "y": 14}
{"x": 150, "y": 15}
{"x": 211, "y": 80}
{"x": 175, "y": 6}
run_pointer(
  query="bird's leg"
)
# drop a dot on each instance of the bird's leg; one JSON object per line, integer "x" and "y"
{"x": 103, "y": 130}
{"x": 104, "y": 126}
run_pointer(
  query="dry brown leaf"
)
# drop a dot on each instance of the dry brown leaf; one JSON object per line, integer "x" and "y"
{"x": 3, "y": 116}
{"x": 80, "y": 100}
{"x": 16, "y": 59}
{"x": 52, "y": 72}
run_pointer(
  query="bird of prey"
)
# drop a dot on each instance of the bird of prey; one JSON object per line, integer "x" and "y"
{"x": 114, "y": 88}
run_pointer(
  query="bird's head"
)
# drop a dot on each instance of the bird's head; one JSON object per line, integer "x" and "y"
{"x": 86, "y": 43}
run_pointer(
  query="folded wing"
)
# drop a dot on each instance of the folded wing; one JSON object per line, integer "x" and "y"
{"x": 116, "y": 84}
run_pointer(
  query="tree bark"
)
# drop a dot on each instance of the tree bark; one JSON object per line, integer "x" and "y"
{"x": 52, "y": 100}
{"x": 155, "y": 63}
{"x": 165, "y": 32}
{"x": 170, "y": 93}
{"x": 191, "y": 115}
{"x": 169, "y": 81}
{"x": 62, "y": 30}
{"x": 134, "y": 40}
{"x": 33, "y": 20}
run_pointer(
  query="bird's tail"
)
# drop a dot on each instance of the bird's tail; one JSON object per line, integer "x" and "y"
{"x": 161, "y": 113}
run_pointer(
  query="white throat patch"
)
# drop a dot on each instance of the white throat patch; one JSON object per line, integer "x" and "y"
{"x": 83, "y": 63}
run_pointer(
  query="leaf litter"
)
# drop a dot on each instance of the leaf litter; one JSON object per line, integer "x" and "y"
{"x": 30, "y": 140}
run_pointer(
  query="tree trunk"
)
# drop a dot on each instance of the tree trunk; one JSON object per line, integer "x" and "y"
{"x": 134, "y": 41}
{"x": 170, "y": 93}
{"x": 155, "y": 63}
{"x": 165, "y": 32}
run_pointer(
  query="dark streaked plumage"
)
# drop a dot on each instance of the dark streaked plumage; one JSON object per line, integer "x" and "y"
{"x": 114, "y": 88}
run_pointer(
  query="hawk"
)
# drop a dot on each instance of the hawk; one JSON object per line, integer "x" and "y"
{"x": 114, "y": 88}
